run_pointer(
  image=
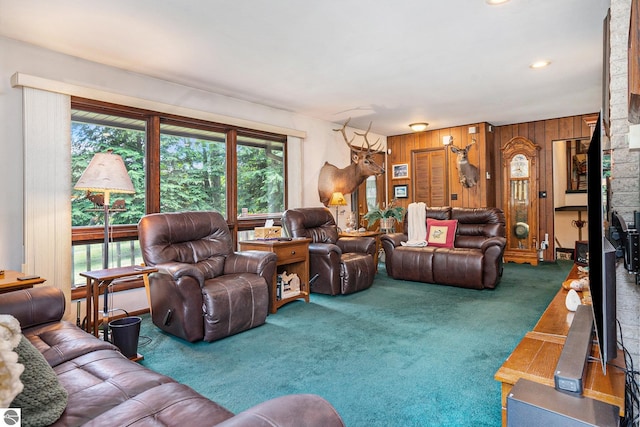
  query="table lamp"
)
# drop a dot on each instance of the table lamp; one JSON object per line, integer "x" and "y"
{"x": 337, "y": 199}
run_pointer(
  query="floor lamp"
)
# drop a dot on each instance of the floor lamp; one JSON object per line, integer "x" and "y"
{"x": 337, "y": 199}
{"x": 105, "y": 174}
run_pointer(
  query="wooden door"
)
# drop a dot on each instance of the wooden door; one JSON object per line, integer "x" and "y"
{"x": 429, "y": 177}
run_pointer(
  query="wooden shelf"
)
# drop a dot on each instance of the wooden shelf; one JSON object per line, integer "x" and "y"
{"x": 537, "y": 354}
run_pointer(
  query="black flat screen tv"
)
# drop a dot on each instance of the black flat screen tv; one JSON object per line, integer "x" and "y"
{"x": 602, "y": 254}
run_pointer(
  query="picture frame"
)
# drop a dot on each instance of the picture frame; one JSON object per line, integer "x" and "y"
{"x": 400, "y": 171}
{"x": 400, "y": 191}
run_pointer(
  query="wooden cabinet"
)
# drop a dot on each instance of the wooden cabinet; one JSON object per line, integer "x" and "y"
{"x": 293, "y": 257}
{"x": 520, "y": 180}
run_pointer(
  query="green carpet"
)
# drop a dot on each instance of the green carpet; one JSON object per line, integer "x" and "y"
{"x": 398, "y": 354}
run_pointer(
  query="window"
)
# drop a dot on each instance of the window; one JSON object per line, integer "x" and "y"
{"x": 193, "y": 165}
{"x": 261, "y": 175}
{"x": 175, "y": 164}
{"x": 93, "y": 133}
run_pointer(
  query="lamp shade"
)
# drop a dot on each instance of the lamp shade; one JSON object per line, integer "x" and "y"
{"x": 106, "y": 173}
{"x": 337, "y": 199}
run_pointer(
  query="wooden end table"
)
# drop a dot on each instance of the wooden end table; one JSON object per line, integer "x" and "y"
{"x": 293, "y": 257}
{"x": 101, "y": 279}
{"x": 9, "y": 282}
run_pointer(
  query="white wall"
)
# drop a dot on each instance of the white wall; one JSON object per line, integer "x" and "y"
{"x": 321, "y": 143}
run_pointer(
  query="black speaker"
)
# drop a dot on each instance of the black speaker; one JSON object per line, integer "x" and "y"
{"x": 530, "y": 404}
{"x": 581, "y": 253}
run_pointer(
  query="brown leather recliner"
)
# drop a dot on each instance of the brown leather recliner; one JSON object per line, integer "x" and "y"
{"x": 343, "y": 264}
{"x": 204, "y": 289}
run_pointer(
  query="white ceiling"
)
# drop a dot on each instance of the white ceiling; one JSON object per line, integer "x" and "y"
{"x": 390, "y": 62}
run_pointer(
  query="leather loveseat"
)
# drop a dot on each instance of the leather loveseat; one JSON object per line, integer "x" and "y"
{"x": 105, "y": 388}
{"x": 474, "y": 261}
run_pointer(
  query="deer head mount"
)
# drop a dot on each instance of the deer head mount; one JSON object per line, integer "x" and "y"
{"x": 96, "y": 199}
{"x": 346, "y": 180}
{"x": 468, "y": 174}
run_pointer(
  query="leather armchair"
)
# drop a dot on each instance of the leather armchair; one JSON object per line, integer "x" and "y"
{"x": 204, "y": 290}
{"x": 343, "y": 264}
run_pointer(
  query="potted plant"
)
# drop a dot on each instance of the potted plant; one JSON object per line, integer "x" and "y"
{"x": 387, "y": 216}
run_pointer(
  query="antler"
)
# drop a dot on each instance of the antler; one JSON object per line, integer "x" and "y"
{"x": 349, "y": 141}
{"x": 344, "y": 134}
{"x": 369, "y": 147}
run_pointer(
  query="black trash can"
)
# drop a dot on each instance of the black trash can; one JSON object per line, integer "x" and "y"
{"x": 125, "y": 333}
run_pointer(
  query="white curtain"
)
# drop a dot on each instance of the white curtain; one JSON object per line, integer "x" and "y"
{"x": 47, "y": 187}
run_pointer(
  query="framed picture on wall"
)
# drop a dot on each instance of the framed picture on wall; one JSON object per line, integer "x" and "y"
{"x": 400, "y": 191}
{"x": 400, "y": 171}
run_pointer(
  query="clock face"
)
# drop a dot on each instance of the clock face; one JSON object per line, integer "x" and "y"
{"x": 519, "y": 166}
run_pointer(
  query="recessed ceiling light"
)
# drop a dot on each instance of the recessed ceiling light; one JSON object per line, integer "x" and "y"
{"x": 540, "y": 64}
{"x": 496, "y": 2}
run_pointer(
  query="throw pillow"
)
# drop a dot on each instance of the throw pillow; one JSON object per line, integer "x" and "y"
{"x": 441, "y": 233}
{"x": 43, "y": 399}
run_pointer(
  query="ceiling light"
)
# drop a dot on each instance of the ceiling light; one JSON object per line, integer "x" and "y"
{"x": 418, "y": 127}
{"x": 540, "y": 64}
{"x": 496, "y": 2}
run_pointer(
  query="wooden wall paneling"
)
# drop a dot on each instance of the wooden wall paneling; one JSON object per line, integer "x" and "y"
{"x": 489, "y": 137}
{"x": 545, "y": 178}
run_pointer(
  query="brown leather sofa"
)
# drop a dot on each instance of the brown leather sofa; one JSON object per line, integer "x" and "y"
{"x": 475, "y": 261}
{"x": 343, "y": 264}
{"x": 106, "y": 389}
{"x": 204, "y": 289}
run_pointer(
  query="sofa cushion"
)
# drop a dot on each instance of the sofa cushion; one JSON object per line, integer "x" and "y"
{"x": 101, "y": 380}
{"x": 164, "y": 405}
{"x": 43, "y": 399}
{"x": 441, "y": 233}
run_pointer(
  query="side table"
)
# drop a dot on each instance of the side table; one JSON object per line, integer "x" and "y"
{"x": 98, "y": 279}
{"x": 375, "y": 234}
{"x": 9, "y": 282}
{"x": 293, "y": 257}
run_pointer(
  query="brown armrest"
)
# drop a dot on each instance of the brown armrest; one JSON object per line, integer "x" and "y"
{"x": 364, "y": 245}
{"x": 394, "y": 238}
{"x": 249, "y": 262}
{"x": 34, "y": 306}
{"x": 293, "y": 410}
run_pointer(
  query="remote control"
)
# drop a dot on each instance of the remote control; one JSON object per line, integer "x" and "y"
{"x": 28, "y": 277}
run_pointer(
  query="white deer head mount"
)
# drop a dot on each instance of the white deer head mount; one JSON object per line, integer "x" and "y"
{"x": 468, "y": 174}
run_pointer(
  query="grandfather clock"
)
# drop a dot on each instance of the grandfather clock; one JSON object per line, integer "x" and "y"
{"x": 520, "y": 178}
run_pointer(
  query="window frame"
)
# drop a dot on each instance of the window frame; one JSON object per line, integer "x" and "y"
{"x": 153, "y": 119}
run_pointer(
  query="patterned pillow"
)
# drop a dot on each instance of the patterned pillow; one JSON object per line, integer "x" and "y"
{"x": 441, "y": 233}
{"x": 43, "y": 399}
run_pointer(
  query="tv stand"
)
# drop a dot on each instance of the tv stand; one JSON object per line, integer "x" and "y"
{"x": 536, "y": 356}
